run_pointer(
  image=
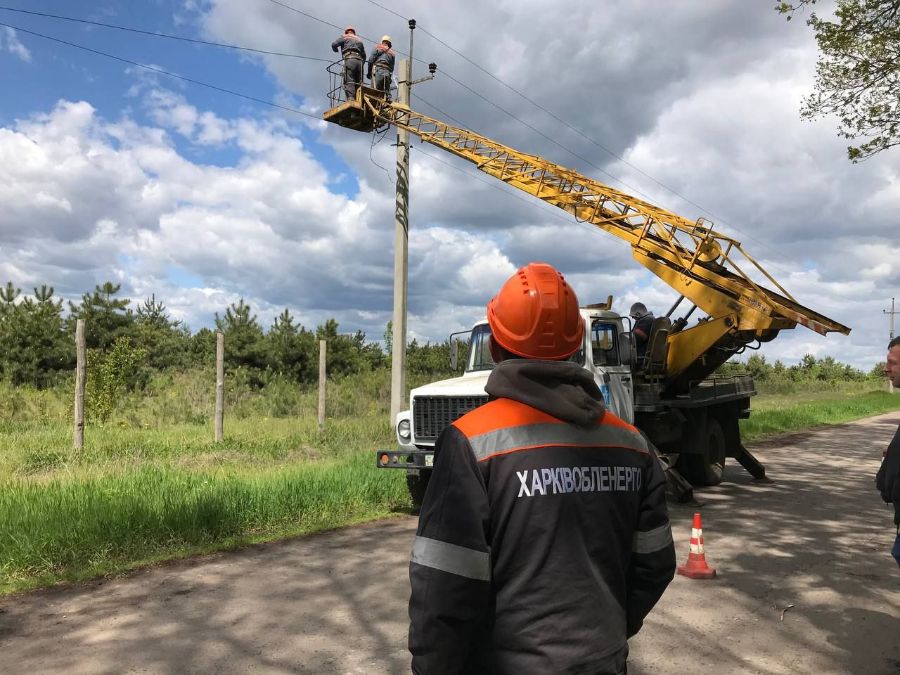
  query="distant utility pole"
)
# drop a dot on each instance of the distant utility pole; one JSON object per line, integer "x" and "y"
{"x": 892, "y": 313}
{"x": 401, "y": 237}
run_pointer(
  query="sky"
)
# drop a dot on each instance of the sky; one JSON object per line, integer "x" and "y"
{"x": 112, "y": 170}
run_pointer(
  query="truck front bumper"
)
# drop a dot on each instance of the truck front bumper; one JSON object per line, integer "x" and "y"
{"x": 413, "y": 460}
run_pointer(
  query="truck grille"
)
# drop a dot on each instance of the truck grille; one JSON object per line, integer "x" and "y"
{"x": 431, "y": 414}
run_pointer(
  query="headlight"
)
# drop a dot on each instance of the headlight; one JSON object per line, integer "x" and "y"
{"x": 403, "y": 430}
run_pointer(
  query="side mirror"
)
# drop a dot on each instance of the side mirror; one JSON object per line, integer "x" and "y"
{"x": 625, "y": 348}
{"x": 454, "y": 354}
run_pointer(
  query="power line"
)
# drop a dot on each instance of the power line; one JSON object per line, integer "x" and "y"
{"x": 248, "y": 97}
{"x": 168, "y": 36}
{"x": 160, "y": 71}
{"x": 513, "y": 193}
{"x": 333, "y": 25}
{"x": 578, "y": 131}
{"x": 388, "y": 10}
{"x": 439, "y": 111}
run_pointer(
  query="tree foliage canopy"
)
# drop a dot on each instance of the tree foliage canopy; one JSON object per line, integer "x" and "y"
{"x": 125, "y": 344}
{"x": 858, "y": 71}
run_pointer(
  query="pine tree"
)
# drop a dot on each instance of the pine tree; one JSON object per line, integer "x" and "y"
{"x": 105, "y": 318}
{"x": 34, "y": 347}
{"x": 165, "y": 340}
{"x": 243, "y": 337}
{"x": 291, "y": 349}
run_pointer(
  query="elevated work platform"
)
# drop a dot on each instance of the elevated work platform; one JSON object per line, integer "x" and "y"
{"x": 354, "y": 114}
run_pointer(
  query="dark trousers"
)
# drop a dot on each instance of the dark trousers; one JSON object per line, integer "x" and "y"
{"x": 352, "y": 76}
{"x": 382, "y": 78}
{"x": 896, "y": 550}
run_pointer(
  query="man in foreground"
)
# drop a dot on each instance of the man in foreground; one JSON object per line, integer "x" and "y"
{"x": 888, "y": 478}
{"x": 543, "y": 538}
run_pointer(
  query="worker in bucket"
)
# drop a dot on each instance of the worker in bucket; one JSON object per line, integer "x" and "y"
{"x": 643, "y": 320}
{"x": 543, "y": 538}
{"x": 353, "y": 52}
{"x": 381, "y": 65}
{"x": 888, "y": 478}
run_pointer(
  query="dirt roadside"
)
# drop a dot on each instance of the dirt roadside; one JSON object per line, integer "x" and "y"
{"x": 816, "y": 537}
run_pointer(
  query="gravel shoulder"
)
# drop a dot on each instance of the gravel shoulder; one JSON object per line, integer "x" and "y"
{"x": 816, "y": 537}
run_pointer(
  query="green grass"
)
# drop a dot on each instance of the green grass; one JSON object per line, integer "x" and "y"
{"x": 151, "y": 484}
{"x": 781, "y": 414}
{"x": 74, "y": 527}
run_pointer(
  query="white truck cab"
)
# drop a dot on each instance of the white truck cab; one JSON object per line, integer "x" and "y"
{"x": 606, "y": 352}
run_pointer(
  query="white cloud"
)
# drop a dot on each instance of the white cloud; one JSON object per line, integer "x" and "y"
{"x": 701, "y": 96}
{"x": 9, "y": 40}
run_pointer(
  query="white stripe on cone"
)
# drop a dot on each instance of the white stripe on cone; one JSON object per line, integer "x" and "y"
{"x": 696, "y": 540}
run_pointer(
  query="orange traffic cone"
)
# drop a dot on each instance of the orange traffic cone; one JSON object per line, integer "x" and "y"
{"x": 696, "y": 567}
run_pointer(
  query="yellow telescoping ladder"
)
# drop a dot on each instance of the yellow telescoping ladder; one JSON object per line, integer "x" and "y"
{"x": 704, "y": 266}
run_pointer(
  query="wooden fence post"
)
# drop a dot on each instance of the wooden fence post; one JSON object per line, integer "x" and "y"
{"x": 220, "y": 385}
{"x": 322, "y": 349}
{"x": 80, "y": 377}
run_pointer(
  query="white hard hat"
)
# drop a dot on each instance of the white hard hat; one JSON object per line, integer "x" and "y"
{"x": 387, "y": 38}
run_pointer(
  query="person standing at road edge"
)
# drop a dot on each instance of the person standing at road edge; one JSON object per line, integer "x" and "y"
{"x": 543, "y": 538}
{"x": 887, "y": 480}
{"x": 353, "y": 51}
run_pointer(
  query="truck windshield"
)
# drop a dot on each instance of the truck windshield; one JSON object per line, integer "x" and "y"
{"x": 480, "y": 352}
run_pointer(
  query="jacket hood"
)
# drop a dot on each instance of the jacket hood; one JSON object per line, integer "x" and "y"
{"x": 562, "y": 389}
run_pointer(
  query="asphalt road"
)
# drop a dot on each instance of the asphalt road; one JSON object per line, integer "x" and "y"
{"x": 806, "y": 585}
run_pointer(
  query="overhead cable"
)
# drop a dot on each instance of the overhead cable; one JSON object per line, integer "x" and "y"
{"x": 167, "y": 73}
{"x": 514, "y": 193}
{"x": 578, "y": 131}
{"x": 167, "y": 36}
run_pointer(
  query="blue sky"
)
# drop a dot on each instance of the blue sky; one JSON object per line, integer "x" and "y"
{"x": 111, "y": 172}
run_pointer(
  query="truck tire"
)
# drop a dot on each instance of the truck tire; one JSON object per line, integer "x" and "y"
{"x": 705, "y": 468}
{"x": 417, "y": 484}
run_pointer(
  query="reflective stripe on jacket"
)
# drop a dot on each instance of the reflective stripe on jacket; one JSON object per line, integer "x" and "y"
{"x": 382, "y": 57}
{"x": 350, "y": 46}
{"x": 541, "y": 545}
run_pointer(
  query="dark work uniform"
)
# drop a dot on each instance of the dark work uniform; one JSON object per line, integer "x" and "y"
{"x": 543, "y": 539}
{"x": 381, "y": 65}
{"x": 643, "y": 324}
{"x": 888, "y": 483}
{"x": 354, "y": 54}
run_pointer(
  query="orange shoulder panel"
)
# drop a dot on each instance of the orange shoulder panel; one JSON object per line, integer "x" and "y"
{"x": 614, "y": 420}
{"x": 499, "y": 414}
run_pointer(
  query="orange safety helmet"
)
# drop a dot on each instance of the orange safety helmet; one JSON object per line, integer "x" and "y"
{"x": 535, "y": 314}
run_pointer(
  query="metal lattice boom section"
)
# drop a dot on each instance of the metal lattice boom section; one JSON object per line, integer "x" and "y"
{"x": 679, "y": 250}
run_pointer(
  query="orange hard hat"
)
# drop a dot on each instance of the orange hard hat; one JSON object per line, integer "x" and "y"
{"x": 536, "y": 315}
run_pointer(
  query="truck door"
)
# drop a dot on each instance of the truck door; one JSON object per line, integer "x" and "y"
{"x": 612, "y": 376}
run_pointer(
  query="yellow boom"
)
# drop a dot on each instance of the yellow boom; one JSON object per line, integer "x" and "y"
{"x": 704, "y": 266}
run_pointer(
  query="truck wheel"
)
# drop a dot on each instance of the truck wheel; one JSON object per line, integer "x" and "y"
{"x": 417, "y": 485}
{"x": 706, "y": 467}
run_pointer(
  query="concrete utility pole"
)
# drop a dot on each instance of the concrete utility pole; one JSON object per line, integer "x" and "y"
{"x": 401, "y": 244}
{"x": 401, "y": 237}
